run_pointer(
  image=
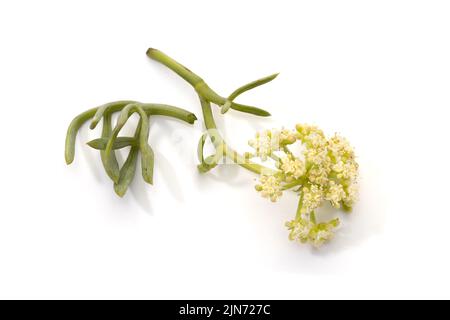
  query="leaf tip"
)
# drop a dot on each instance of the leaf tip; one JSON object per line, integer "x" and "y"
{"x": 92, "y": 144}
{"x": 69, "y": 158}
{"x": 191, "y": 118}
{"x": 119, "y": 191}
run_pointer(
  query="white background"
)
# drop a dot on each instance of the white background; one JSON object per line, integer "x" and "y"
{"x": 378, "y": 72}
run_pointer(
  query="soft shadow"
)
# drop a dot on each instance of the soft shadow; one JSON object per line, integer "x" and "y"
{"x": 226, "y": 174}
{"x": 139, "y": 189}
{"x": 173, "y": 132}
{"x": 169, "y": 175}
{"x": 255, "y": 122}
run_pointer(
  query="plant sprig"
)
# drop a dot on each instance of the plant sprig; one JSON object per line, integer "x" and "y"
{"x": 325, "y": 171}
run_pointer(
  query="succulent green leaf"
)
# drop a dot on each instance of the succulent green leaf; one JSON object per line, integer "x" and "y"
{"x": 119, "y": 143}
{"x": 109, "y": 161}
{"x": 128, "y": 169}
{"x": 249, "y": 109}
{"x": 251, "y": 85}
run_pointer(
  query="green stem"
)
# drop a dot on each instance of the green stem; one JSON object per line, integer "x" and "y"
{"x": 168, "y": 111}
{"x": 312, "y": 217}
{"x": 275, "y": 157}
{"x": 293, "y": 184}
{"x": 176, "y": 67}
{"x": 299, "y": 208}
{"x": 218, "y": 140}
{"x": 287, "y": 151}
{"x": 194, "y": 80}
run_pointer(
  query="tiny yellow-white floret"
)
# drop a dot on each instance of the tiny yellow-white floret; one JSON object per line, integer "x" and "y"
{"x": 269, "y": 187}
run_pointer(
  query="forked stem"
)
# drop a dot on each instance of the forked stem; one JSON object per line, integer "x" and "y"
{"x": 210, "y": 125}
{"x": 207, "y": 95}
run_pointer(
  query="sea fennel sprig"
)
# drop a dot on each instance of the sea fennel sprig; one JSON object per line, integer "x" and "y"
{"x": 317, "y": 168}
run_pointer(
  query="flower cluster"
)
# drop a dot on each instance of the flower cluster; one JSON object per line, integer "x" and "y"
{"x": 292, "y": 167}
{"x": 269, "y": 187}
{"x": 320, "y": 168}
{"x": 304, "y": 230}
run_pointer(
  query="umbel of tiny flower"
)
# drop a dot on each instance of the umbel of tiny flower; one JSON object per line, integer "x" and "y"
{"x": 307, "y": 231}
{"x": 318, "y": 168}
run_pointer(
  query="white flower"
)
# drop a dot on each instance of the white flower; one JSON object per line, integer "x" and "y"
{"x": 351, "y": 195}
{"x": 292, "y": 167}
{"x": 349, "y": 171}
{"x": 319, "y": 175}
{"x": 303, "y": 230}
{"x": 312, "y": 198}
{"x": 286, "y": 136}
{"x": 321, "y": 236}
{"x": 316, "y": 156}
{"x": 304, "y": 130}
{"x": 335, "y": 194}
{"x": 269, "y": 187}
{"x": 299, "y": 229}
{"x": 340, "y": 147}
{"x": 338, "y": 167}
